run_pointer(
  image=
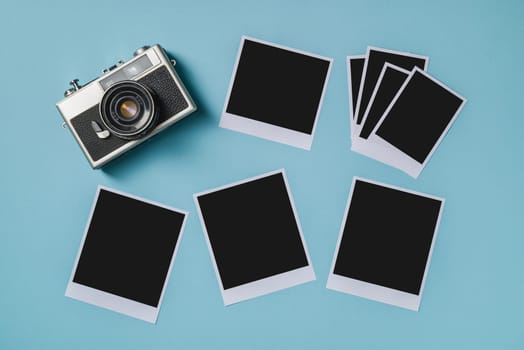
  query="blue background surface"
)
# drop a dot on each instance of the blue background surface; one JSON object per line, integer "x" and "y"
{"x": 474, "y": 291}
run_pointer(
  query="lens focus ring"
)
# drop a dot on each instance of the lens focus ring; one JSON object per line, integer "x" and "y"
{"x": 128, "y": 109}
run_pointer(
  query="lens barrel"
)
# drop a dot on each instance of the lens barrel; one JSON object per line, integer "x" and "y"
{"x": 128, "y": 110}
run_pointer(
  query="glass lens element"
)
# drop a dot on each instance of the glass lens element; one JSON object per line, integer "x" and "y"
{"x": 128, "y": 109}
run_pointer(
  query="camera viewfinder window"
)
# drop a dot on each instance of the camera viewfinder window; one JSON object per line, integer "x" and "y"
{"x": 131, "y": 70}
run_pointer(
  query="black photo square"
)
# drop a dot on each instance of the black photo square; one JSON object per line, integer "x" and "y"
{"x": 126, "y": 254}
{"x": 276, "y": 93}
{"x": 254, "y": 237}
{"x": 385, "y": 243}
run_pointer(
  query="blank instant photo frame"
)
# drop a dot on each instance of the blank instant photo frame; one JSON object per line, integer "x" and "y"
{"x": 276, "y": 93}
{"x": 415, "y": 123}
{"x": 254, "y": 237}
{"x": 126, "y": 254}
{"x": 385, "y": 244}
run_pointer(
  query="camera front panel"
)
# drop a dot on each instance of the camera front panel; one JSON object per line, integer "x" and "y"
{"x": 167, "y": 96}
{"x": 93, "y": 145}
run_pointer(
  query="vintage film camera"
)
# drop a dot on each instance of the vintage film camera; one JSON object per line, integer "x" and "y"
{"x": 128, "y": 104}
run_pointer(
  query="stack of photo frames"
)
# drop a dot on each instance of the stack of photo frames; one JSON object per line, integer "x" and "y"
{"x": 399, "y": 113}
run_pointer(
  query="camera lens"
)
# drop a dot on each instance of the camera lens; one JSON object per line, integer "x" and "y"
{"x": 128, "y": 110}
